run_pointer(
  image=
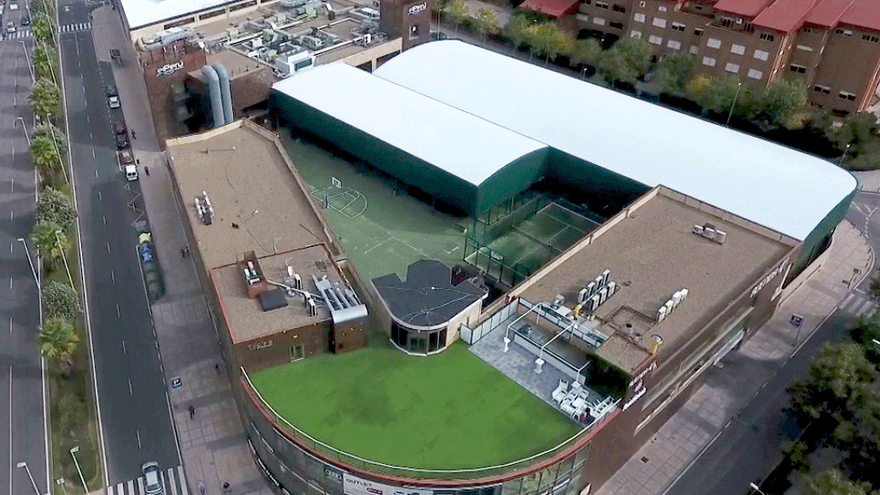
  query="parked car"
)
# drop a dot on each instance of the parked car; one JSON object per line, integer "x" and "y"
{"x": 118, "y": 127}
{"x": 13, "y": 6}
{"x": 152, "y": 478}
{"x": 10, "y": 27}
{"x": 131, "y": 173}
{"x": 113, "y": 101}
{"x": 111, "y": 90}
{"x": 25, "y": 21}
{"x": 125, "y": 157}
{"x": 121, "y": 141}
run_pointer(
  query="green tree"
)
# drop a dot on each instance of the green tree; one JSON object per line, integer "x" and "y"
{"x": 45, "y": 97}
{"x": 60, "y": 301}
{"x": 44, "y": 58}
{"x": 55, "y": 206}
{"x": 41, "y": 26}
{"x": 486, "y": 22}
{"x": 548, "y": 40}
{"x": 50, "y": 240}
{"x": 45, "y": 157}
{"x": 51, "y": 131}
{"x": 674, "y": 71}
{"x": 515, "y": 30}
{"x": 58, "y": 341}
{"x": 837, "y": 376}
{"x": 834, "y": 482}
{"x": 458, "y": 13}
{"x": 587, "y": 52}
{"x": 626, "y": 61}
{"x": 718, "y": 95}
{"x": 783, "y": 103}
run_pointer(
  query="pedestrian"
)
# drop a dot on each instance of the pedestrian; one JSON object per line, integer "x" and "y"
{"x": 217, "y": 368}
{"x": 147, "y": 170}
{"x": 192, "y": 412}
{"x": 134, "y": 135}
{"x": 183, "y": 252}
{"x": 226, "y": 488}
{"x": 202, "y": 488}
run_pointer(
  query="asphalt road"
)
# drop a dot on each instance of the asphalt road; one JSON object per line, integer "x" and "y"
{"x": 135, "y": 413}
{"x": 22, "y": 426}
{"x": 749, "y": 446}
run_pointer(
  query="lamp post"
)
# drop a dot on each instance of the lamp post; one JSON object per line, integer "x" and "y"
{"x": 843, "y": 156}
{"x": 28, "y": 470}
{"x": 63, "y": 257}
{"x": 756, "y": 488}
{"x": 730, "y": 113}
{"x": 73, "y": 451}
{"x": 24, "y": 126}
{"x": 57, "y": 150}
{"x": 28, "y": 60}
{"x": 61, "y": 482}
{"x": 31, "y": 263}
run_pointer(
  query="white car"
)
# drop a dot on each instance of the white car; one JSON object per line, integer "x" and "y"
{"x": 10, "y": 27}
{"x": 13, "y": 6}
{"x": 152, "y": 479}
{"x": 131, "y": 172}
{"x": 113, "y": 101}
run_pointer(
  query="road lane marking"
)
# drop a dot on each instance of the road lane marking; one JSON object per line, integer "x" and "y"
{"x": 104, "y": 218}
{"x": 90, "y": 135}
{"x": 112, "y": 276}
{"x": 96, "y": 173}
{"x": 11, "y": 185}
{"x": 129, "y": 387}
{"x": 10, "y": 247}
{"x": 10, "y": 325}
{"x": 10, "y": 429}
{"x": 124, "y": 350}
{"x": 10, "y": 283}
{"x": 11, "y": 215}
{"x": 117, "y": 311}
{"x": 183, "y": 488}
{"x": 139, "y": 439}
{"x": 108, "y": 247}
{"x": 94, "y": 155}
{"x": 131, "y": 485}
{"x": 88, "y": 119}
{"x": 141, "y": 484}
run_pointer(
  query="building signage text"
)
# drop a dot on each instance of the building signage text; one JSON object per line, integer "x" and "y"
{"x": 168, "y": 69}
{"x": 638, "y": 378}
{"x": 642, "y": 391}
{"x": 770, "y": 276}
{"x": 352, "y": 485}
{"x": 418, "y": 8}
{"x": 260, "y": 345}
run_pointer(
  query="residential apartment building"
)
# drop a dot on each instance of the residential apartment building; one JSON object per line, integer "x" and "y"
{"x": 832, "y": 45}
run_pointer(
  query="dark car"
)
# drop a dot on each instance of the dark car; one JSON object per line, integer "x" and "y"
{"x": 121, "y": 141}
{"x": 125, "y": 157}
{"x": 111, "y": 90}
{"x": 118, "y": 127}
{"x": 25, "y": 21}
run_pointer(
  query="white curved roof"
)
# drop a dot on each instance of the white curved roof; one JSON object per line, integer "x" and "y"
{"x": 141, "y": 13}
{"x": 771, "y": 185}
{"x": 463, "y": 145}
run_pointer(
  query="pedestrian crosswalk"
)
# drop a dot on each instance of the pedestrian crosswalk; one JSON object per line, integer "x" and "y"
{"x": 858, "y": 304}
{"x": 80, "y": 26}
{"x": 173, "y": 481}
{"x": 20, "y": 34}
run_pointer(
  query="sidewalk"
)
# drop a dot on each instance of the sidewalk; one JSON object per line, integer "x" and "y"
{"x": 690, "y": 430}
{"x": 213, "y": 444}
{"x": 868, "y": 181}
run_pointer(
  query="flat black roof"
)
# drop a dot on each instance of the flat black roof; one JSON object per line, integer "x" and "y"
{"x": 427, "y": 298}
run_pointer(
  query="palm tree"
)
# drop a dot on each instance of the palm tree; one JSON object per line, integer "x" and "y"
{"x": 44, "y": 58}
{"x": 41, "y": 25}
{"x": 45, "y": 97}
{"x": 58, "y": 341}
{"x": 45, "y": 157}
{"x": 50, "y": 240}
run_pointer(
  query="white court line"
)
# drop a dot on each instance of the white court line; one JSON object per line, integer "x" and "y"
{"x": 377, "y": 245}
{"x": 183, "y": 488}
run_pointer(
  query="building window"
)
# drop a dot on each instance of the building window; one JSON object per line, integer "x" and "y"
{"x": 639, "y": 17}
{"x": 694, "y": 49}
{"x": 755, "y": 74}
{"x": 659, "y": 22}
{"x": 726, "y": 22}
{"x": 805, "y": 48}
{"x": 213, "y": 13}
{"x": 762, "y": 55}
{"x": 713, "y": 43}
{"x": 698, "y": 31}
{"x": 586, "y": 2}
{"x": 602, "y": 5}
{"x": 635, "y": 34}
{"x": 767, "y": 37}
{"x": 846, "y": 95}
{"x": 616, "y": 25}
{"x": 825, "y": 90}
{"x": 675, "y": 45}
{"x": 182, "y": 22}
{"x": 732, "y": 67}
{"x": 619, "y": 8}
{"x": 599, "y": 21}
{"x": 807, "y": 30}
{"x": 844, "y": 32}
{"x": 800, "y": 69}
{"x": 677, "y": 26}
{"x": 709, "y": 61}
{"x": 655, "y": 40}
{"x": 297, "y": 352}
{"x": 737, "y": 49}
{"x": 661, "y": 9}
{"x": 870, "y": 37}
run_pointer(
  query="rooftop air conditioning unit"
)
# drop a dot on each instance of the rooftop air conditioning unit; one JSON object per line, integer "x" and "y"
{"x": 698, "y": 229}
{"x": 582, "y": 295}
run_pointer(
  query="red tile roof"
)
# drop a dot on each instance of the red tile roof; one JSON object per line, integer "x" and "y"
{"x": 553, "y": 8}
{"x": 784, "y": 15}
{"x": 744, "y": 8}
{"x": 863, "y": 14}
{"x": 828, "y": 12}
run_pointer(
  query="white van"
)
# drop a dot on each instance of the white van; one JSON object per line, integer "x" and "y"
{"x": 131, "y": 172}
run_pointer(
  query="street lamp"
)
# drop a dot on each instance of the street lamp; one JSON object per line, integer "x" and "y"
{"x": 61, "y": 482}
{"x": 61, "y": 247}
{"x": 31, "y": 263}
{"x": 74, "y": 450}
{"x": 843, "y": 156}
{"x": 28, "y": 60}
{"x": 57, "y": 150}
{"x": 756, "y": 488}
{"x": 24, "y": 126}
{"x": 26, "y": 468}
{"x": 730, "y": 113}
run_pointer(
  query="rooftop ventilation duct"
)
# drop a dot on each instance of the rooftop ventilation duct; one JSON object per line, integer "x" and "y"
{"x": 216, "y": 98}
{"x": 225, "y": 92}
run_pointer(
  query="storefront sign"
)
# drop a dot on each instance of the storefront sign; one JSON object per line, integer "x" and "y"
{"x": 638, "y": 378}
{"x": 635, "y": 397}
{"x": 352, "y": 485}
{"x": 770, "y": 276}
{"x": 260, "y": 345}
{"x": 168, "y": 69}
{"x": 418, "y": 8}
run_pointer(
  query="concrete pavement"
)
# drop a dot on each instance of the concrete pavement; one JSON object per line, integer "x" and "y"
{"x": 690, "y": 431}
{"x": 213, "y": 443}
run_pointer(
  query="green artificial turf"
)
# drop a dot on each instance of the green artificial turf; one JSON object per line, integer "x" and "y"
{"x": 447, "y": 411}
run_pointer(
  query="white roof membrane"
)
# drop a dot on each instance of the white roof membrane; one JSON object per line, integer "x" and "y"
{"x": 463, "y": 145}
{"x": 140, "y": 13}
{"x": 774, "y": 186}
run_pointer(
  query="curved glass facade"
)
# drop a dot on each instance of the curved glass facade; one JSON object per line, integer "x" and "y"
{"x": 418, "y": 341}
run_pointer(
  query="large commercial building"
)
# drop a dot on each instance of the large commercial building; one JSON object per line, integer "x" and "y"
{"x": 579, "y": 363}
{"x": 758, "y": 41}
